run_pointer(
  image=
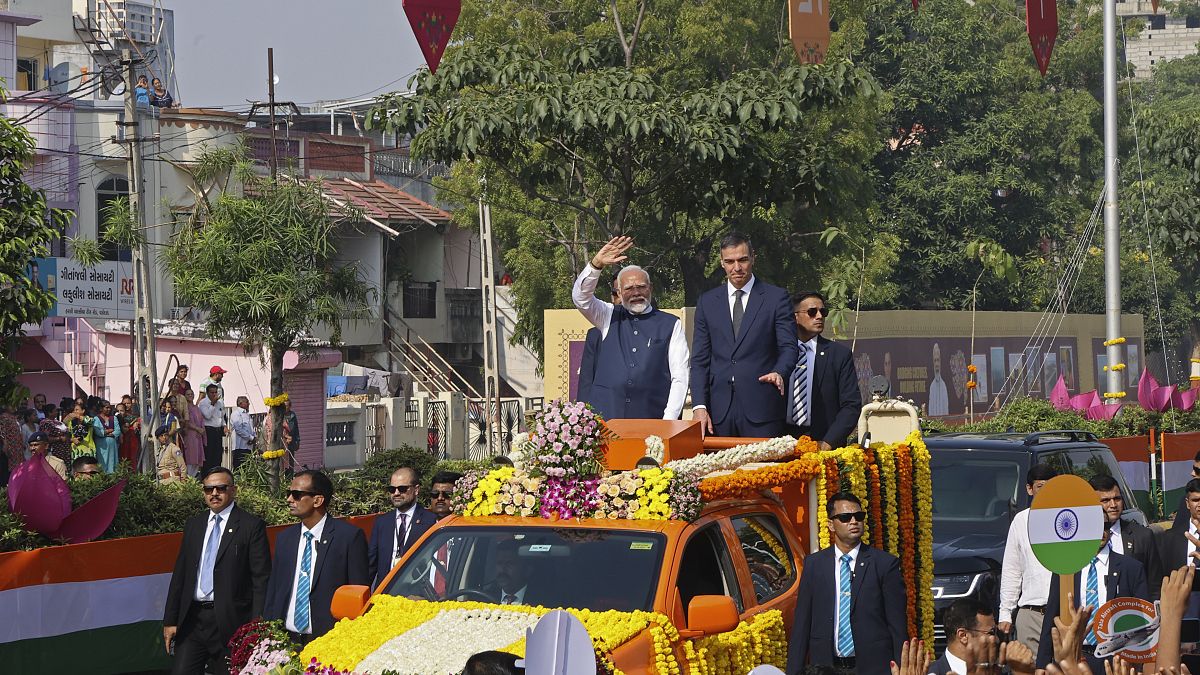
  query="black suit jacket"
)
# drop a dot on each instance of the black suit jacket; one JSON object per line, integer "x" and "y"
{"x": 239, "y": 574}
{"x": 587, "y": 365}
{"x": 383, "y": 536}
{"x": 940, "y": 667}
{"x": 1125, "y": 579}
{"x": 1140, "y": 544}
{"x": 766, "y": 343}
{"x": 878, "y": 613}
{"x": 1173, "y": 549}
{"x": 835, "y": 400}
{"x": 341, "y": 560}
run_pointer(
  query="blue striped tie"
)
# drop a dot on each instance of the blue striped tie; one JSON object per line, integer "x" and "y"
{"x": 303, "y": 584}
{"x": 799, "y": 407}
{"x": 1091, "y": 597}
{"x": 210, "y": 557}
{"x": 845, "y": 641}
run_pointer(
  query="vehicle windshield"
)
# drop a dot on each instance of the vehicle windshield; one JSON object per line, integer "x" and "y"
{"x": 553, "y": 567}
{"x": 977, "y": 488}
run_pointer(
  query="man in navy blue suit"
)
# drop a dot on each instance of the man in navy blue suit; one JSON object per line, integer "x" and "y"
{"x": 312, "y": 559}
{"x": 822, "y": 399}
{"x": 396, "y": 530}
{"x": 743, "y": 350}
{"x": 1109, "y": 575}
{"x": 851, "y": 609}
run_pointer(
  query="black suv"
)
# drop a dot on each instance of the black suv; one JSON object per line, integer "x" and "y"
{"x": 978, "y": 485}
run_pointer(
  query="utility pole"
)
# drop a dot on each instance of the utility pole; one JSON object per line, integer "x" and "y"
{"x": 1112, "y": 225}
{"x": 491, "y": 343}
{"x": 271, "y": 97}
{"x": 145, "y": 365}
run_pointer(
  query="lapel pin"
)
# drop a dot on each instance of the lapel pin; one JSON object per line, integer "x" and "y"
{"x": 822, "y": 353}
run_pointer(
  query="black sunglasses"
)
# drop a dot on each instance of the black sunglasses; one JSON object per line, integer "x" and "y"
{"x": 442, "y": 494}
{"x": 813, "y": 311}
{"x": 402, "y": 489}
{"x": 297, "y": 495}
{"x": 209, "y": 489}
{"x": 847, "y": 517}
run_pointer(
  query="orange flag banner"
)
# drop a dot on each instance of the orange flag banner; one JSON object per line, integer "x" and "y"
{"x": 808, "y": 24}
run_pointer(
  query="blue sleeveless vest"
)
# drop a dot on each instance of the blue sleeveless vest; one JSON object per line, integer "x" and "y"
{"x": 633, "y": 374}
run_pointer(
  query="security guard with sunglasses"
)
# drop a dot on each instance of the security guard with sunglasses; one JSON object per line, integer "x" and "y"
{"x": 821, "y": 399}
{"x": 398, "y": 529}
{"x": 851, "y": 610}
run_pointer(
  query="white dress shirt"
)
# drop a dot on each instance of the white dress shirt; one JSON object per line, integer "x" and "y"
{"x": 214, "y": 413}
{"x": 243, "y": 429}
{"x": 599, "y": 313}
{"x": 291, "y": 613}
{"x": 837, "y": 584}
{"x": 224, "y": 515}
{"x": 1023, "y": 580}
{"x": 957, "y": 665}
{"x": 732, "y": 294}
{"x": 1191, "y": 562}
{"x": 1101, "y": 586}
{"x": 399, "y": 537}
{"x": 1115, "y": 543}
{"x": 519, "y": 597}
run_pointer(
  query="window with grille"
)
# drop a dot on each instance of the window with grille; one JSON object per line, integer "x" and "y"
{"x": 420, "y": 299}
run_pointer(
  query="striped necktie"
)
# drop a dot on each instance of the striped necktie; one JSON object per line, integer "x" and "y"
{"x": 1091, "y": 599}
{"x": 209, "y": 560}
{"x": 799, "y": 407}
{"x": 303, "y": 585}
{"x": 845, "y": 640}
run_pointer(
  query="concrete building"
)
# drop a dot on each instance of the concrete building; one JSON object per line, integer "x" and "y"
{"x": 1163, "y": 38}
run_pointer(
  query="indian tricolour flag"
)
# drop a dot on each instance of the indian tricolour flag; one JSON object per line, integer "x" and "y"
{"x": 1066, "y": 526}
{"x": 86, "y": 608}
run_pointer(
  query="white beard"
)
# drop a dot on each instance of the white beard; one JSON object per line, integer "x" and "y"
{"x": 639, "y": 307}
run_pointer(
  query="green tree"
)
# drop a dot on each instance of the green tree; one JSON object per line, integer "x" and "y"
{"x": 27, "y": 227}
{"x": 672, "y": 123}
{"x": 261, "y": 265}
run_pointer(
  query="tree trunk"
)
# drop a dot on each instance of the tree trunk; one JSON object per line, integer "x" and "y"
{"x": 276, "y": 352}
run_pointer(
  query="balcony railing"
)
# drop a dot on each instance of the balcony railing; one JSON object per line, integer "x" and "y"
{"x": 402, "y": 164}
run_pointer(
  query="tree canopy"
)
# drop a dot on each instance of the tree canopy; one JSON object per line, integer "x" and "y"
{"x": 27, "y": 228}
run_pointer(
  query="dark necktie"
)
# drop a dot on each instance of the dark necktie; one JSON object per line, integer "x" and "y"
{"x": 739, "y": 310}
{"x": 400, "y": 536}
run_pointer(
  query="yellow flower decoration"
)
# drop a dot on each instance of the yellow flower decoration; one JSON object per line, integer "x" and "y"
{"x": 272, "y": 401}
{"x": 1114, "y": 341}
{"x": 653, "y": 496}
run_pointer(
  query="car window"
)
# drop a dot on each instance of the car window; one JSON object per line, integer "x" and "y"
{"x": 973, "y": 489}
{"x": 561, "y": 567}
{"x": 706, "y": 568}
{"x": 767, "y": 554}
{"x": 1087, "y": 463}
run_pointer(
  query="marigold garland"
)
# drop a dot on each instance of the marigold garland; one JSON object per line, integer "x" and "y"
{"x": 273, "y": 454}
{"x": 908, "y": 562}
{"x": 875, "y": 505}
{"x": 272, "y": 401}
{"x": 747, "y": 482}
{"x": 887, "y": 484}
{"x": 772, "y": 542}
{"x": 923, "y": 485}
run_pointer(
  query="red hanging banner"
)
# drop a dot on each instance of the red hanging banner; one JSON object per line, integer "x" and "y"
{"x": 808, "y": 24}
{"x": 1041, "y": 22}
{"x": 432, "y": 22}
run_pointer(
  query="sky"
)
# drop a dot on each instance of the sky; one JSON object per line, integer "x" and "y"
{"x": 335, "y": 49}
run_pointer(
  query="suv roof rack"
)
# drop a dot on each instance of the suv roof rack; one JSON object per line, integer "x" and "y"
{"x": 1069, "y": 436}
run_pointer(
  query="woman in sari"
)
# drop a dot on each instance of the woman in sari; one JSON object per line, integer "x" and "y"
{"x": 107, "y": 435}
{"x": 191, "y": 422}
{"x": 131, "y": 430}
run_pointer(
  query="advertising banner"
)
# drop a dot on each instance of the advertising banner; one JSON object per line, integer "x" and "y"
{"x": 102, "y": 291}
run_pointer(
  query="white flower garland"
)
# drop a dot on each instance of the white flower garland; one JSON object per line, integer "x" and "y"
{"x": 655, "y": 448}
{"x": 731, "y": 458}
{"x": 516, "y": 452}
{"x": 443, "y": 644}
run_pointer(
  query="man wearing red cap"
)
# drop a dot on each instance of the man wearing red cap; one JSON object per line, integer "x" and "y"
{"x": 215, "y": 375}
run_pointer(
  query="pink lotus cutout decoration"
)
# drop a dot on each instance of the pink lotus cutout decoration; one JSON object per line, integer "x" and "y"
{"x": 1154, "y": 396}
{"x": 1060, "y": 398}
{"x": 41, "y": 497}
{"x": 432, "y": 22}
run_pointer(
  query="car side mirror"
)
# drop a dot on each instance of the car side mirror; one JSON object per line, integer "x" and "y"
{"x": 710, "y": 614}
{"x": 349, "y": 601}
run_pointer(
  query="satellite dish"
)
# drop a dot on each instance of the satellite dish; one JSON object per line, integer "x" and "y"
{"x": 111, "y": 81}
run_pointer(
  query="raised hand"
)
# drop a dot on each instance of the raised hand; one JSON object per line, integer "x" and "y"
{"x": 914, "y": 659}
{"x": 1018, "y": 657}
{"x": 1068, "y": 636}
{"x": 613, "y": 252}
